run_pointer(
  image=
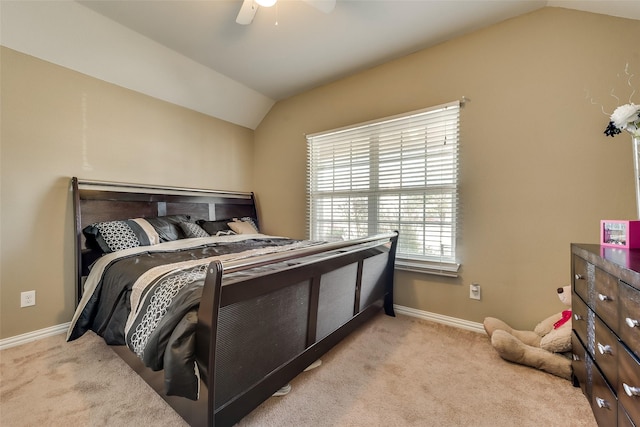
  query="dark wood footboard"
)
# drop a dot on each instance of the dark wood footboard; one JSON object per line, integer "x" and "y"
{"x": 261, "y": 332}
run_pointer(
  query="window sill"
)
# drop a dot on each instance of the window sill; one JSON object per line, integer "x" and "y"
{"x": 426, "y": 267}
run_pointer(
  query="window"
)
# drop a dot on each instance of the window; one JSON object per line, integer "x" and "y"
{"x": 398, "y": 173}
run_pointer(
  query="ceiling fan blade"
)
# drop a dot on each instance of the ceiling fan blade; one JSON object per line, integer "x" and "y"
{"x": 247, "y": 12}
{"x": 325, "y": 6}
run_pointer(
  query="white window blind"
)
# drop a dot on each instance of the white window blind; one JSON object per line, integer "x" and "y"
{"x": 398, "y": 173}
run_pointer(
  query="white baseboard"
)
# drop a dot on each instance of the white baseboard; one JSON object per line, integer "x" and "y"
{"x": 33, "y": 336}
{"x": 407, "y": 311}
{"x": 440, "y": 318}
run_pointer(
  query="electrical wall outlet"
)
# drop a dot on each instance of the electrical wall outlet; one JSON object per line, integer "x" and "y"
{"x": 27, "y": 298}
{"x": 474, "y": 291}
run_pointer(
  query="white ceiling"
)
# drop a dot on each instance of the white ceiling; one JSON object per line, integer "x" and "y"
{"x": 192, "y": 52}
{"x": 292, "y": 47}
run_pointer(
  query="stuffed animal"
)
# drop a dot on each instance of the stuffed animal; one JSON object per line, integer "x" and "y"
{"x": 541, "y": 348}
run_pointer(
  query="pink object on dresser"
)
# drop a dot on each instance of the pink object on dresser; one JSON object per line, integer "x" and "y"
{"x": 620, "y": 233}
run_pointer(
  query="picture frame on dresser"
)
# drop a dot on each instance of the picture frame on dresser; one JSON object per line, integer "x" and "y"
{"x": 620, "y": 233}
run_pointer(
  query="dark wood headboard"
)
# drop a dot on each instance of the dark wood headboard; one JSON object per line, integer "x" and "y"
{"x": 96, "y": 201}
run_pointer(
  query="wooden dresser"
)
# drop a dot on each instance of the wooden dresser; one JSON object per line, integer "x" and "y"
{"x": 606, "y": 331}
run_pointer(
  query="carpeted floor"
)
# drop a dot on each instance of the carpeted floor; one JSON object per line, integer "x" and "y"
{"x": 392, "y": 372}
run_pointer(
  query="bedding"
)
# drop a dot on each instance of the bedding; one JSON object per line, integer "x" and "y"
{"x": 146, "y": 297}
{"x": 168, "y": 227}
{"x": 252, "y": 221}
{"x": 191, "y": 229}
{"x": 213, "y": 227}
{"x": 242, "y": 227}
{"x": 111, "y": 236}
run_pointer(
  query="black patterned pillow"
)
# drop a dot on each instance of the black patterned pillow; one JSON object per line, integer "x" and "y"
{"x": 192, "y": 229}
{"x": 111, "y": 236}
{"x": 168, "y": 227}
{"x": 213, "y": 227}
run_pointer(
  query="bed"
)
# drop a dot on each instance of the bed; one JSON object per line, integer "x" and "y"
{"x": 217, "y": 322}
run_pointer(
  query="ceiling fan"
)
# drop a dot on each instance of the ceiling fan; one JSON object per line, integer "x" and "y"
{"x": 250, "y": 7}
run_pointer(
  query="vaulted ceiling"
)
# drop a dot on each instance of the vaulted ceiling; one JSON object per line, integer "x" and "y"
{"x": 292, "y": 47}
{"x": 287, "y": 49}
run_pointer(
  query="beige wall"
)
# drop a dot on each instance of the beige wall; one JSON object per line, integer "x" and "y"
{"x": 537, "y": 171}
{"x": 57, "y": 123}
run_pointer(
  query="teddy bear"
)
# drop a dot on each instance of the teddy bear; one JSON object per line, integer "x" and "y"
{"x": 541, "y": 348}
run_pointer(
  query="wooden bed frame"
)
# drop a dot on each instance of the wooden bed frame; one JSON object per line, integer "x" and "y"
{"x": 328, "y": 291}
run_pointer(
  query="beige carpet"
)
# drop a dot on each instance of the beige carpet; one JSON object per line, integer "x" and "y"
{"x": 392, "y": 372}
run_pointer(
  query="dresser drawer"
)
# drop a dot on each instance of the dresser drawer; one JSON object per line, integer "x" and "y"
{"x": 606, "y": 352}
{"x": 629, "y": 383}
{"x": 581, "y": 365}
{"x": 605, "y": 298}
{"x": 629, "y": 328}
{"x": 579, "y": 321}
{"x": 603, "y": 403}
{"x": 580, "y": 282}
{"x": 623, "y": 418}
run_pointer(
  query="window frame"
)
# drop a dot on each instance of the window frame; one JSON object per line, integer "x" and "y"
{"x": 368, "y": 140}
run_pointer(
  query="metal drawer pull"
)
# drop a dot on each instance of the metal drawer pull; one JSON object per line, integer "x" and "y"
{"x": 602, "y": 403}
{"x": 579, "y": 276}
{"x": 602, "y": 297}
{"x": 632, "y": 322}
{"x": 577, "y": 316}
{"x": 631, "y": 391}
{"x": 604, "y": 349}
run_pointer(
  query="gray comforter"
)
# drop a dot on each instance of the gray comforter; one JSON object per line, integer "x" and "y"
{"x": 147, "y": 298}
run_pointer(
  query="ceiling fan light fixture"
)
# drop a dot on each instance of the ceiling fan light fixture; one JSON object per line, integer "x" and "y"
{"x": 266, "y": 3}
